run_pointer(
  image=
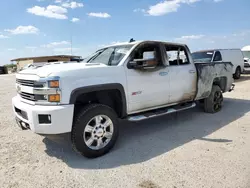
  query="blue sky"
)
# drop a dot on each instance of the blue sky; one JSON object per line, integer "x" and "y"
{"x": 45, "y": 27}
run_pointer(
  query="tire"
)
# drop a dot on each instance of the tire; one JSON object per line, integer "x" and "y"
{"x": 213, "y": 103}
{"x": 237, "y": 73}
{"x": 94, "y": 124}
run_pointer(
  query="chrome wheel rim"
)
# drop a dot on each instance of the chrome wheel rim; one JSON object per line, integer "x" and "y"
{"x": 98, "y": 132}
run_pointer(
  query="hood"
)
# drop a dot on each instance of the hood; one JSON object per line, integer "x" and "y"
{"x": 46, "y": 70}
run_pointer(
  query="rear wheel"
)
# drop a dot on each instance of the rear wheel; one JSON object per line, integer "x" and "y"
{"x": 95, "y": 130}
{"x": 237, "y": 73}
{"x": 213, "y": 103}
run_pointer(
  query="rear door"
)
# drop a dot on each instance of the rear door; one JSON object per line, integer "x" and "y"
{"x": 182, "y": 74}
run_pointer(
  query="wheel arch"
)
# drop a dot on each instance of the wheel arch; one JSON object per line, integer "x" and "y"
{"x": 221, "y": 82}
{"x": 104, "y": 92}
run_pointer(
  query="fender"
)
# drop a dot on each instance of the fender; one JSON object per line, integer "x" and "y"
{"x": 87, "y": 89}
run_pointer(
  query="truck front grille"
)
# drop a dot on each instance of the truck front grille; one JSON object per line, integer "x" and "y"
{"x": 27, "y": 96}
{"x": 29, "y": 83}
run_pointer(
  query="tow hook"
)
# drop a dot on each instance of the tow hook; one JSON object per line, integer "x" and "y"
{"x": 232, "y": 88}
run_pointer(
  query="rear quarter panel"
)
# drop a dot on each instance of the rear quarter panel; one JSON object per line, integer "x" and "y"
{"x": 207, "y": 73}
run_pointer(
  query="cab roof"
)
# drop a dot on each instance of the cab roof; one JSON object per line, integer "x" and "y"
{"x": 142, "y": 41}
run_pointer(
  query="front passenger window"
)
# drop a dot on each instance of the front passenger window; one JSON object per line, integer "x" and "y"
{"x": 148, "y": 50}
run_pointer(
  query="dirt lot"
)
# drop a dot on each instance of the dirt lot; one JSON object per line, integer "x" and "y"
{"x": 187, "y": 149}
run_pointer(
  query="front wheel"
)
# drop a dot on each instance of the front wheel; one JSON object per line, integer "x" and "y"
{"x": 213, "y": 103}
{"x": 95, "y": 130}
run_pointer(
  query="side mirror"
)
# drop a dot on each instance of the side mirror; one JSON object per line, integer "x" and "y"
{"x": 148, "y": 61}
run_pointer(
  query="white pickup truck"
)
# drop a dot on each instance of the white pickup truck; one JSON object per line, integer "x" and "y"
{"x": 133, "y": 81}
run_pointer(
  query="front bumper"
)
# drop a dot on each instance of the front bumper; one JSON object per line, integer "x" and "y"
{"x": 61, "y": 117}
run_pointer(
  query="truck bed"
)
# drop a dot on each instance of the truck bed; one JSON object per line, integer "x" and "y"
{"x": 208, "y": 73}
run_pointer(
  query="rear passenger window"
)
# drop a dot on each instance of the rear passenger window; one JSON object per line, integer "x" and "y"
{"x": 176, "y": 55}
{"x": 217, "y": 56}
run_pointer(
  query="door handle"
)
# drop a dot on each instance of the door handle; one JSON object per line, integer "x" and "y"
{"x": 191, "y": 71}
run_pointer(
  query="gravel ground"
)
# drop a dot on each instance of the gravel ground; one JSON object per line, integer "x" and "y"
{"x": 188, "y": 149}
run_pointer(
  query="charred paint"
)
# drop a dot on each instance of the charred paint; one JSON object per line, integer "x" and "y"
{"x": 208, "y": 72}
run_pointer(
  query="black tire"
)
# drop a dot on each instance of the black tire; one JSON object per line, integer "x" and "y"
{"x": 213, "y": 103}
{"x": 82, "y": 119}
{"x": 237, "y": 73}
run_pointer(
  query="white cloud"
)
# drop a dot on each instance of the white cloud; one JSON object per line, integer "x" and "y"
{"x": 23, "y": 30}
{"x": 58, "y": 1}
{"x": 31, "y": 47}
{"x": 11, "y": 49}
{"x": 191, "y": 37}
{"x": 167, "y": 6}
{"x": 75, "y": 19}
{"x": 53, "y": 44}
{"x": 72, "y": 5}
{"x": 216, "y": 1}
{"x": 3, "y": 36}
{"x": 99, "y": 15}
{"x": 51, "y": 11}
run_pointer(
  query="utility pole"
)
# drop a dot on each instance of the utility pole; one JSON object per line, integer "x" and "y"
{"x": 71, "y": 38}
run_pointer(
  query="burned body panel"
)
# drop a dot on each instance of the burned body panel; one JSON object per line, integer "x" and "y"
{"x": 219, "y": 73}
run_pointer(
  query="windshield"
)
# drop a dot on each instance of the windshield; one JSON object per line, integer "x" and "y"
{"x": 203, "y": 56}
{"x": 246, "y": 54}
{"x": 109, "y": 56}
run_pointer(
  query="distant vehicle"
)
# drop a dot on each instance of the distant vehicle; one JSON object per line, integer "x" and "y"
{"x": 234, "y": 56}
{"x": 133, "y": 81}
{"x": 246, "y": 54}
{"x": 3, "y": 70}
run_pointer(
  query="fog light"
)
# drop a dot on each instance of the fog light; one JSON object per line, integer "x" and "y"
{"x": 54, "y": 98}
{"x": 44, "y": 119}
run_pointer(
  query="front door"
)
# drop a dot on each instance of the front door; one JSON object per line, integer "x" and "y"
{"x": 147, "y": 88}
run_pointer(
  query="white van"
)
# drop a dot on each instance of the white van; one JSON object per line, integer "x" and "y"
{"x": 234, "y": 56}
{"x": 246, "y": 53}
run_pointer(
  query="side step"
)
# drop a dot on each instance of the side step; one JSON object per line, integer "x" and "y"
{"x": 161, "y": 111}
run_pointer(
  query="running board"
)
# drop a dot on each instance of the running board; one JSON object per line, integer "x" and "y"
{"x": 161, "y": 112}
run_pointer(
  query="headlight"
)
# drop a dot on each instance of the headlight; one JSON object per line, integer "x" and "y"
{"x": 53, "y": 83}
